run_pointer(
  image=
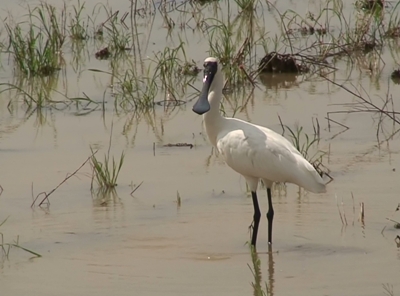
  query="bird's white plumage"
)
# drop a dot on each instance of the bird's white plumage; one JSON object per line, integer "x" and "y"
{"x": 259, "y": 153}
{"x": 254, "y": 151}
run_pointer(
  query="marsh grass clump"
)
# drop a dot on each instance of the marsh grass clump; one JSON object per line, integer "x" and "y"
{"x": 136, "y": 91}
{"x": 370, "y": 5}
{"x": 106, "y": 173}
{"x": 36, "y": 44}
{"x": 189, "y": 68}
{"x": 297, "y": 140}
{"x": 33, "y": 54}
{"x": 305, "y": 143}
{"x": 393, "y": 32}
{"x": 174, "y": 71}
{"x": 393, "y": 26}
{"x": 117, "y": 34}
{"x": 246, "y": 5}
{"x": 274, "y": 62}
{"x": 78, "y": 29}
{"x": 169, "y": 64}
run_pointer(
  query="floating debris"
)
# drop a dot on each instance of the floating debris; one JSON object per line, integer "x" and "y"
{"x": 321, "y": 31}
{"x": 369, "y": 46}
{"x": 280, "y": 63}
{"x": 189, "y": 69}
{"x": 204, "y": 2}
{"x": 396, "y": 76}
{"x": 179, "y": 145}
{"x": 307, "y": 31}
{"x": 103, "y": 54}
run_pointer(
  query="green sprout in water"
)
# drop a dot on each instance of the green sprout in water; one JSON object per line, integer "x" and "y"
{"x": 37, "y": 50}
{"x": 106, "y": 173}
{"x": 78, "y": 31}
{"x": 303, "y": 143}
{"x": 256, "y": 271}
{"x": 6, "y": 247}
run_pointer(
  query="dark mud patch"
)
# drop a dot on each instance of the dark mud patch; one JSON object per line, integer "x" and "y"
{"x": 275, "y": 62}
{"x": 103, "y": 54}
{"x": 395, "y": 76}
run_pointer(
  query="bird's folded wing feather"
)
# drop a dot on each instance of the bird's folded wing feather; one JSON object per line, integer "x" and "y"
{"x": 259, "y": 152}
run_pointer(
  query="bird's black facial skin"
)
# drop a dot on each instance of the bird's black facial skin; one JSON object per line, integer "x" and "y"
{"x": 202, "y": 105}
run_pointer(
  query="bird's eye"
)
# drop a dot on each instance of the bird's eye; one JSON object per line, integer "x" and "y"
{"x": 205, "y": 64}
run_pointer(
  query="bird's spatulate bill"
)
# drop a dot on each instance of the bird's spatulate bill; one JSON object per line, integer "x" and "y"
{"x": 202, "y": 105}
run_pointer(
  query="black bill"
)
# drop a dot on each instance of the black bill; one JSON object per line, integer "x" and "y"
{"x": 202, "y": 105}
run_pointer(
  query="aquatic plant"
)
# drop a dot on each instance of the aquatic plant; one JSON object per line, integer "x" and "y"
{"x": 78, "y": 29}
{"x": 257, "y": 275}
{"x": 6, "y": 247}
{"x": 305, "y": 143}
{"x": 106, "y": 173}
{"x": 37, "y": 49}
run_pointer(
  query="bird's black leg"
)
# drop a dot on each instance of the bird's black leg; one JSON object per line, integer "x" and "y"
{"x": 270, "y": 216}
{"x": 256, "y": 218}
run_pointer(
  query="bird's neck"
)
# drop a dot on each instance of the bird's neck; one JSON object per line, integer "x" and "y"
{"x": 213, "y": 120}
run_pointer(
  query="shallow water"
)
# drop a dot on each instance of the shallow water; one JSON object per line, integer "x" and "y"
{"x": 146, "y": 244}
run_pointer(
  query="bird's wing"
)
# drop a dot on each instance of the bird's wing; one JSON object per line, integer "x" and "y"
{"x": 260, "y": 152}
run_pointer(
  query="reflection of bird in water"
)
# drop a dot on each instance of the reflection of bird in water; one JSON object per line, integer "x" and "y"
{"x": 251, "y": 150}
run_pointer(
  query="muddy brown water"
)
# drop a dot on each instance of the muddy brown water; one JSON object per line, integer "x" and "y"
{"x": 147, "y": 245}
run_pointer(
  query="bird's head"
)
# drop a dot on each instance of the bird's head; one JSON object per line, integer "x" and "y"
{"x": 212, "y": 79}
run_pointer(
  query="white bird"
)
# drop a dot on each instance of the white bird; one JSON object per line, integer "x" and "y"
{"x": 253, "y": 151}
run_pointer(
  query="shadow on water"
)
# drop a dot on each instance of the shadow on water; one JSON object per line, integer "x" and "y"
{"x": 258, "y": 286}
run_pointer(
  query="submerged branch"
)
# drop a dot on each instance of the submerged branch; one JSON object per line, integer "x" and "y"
{"x": 46, "y": 195}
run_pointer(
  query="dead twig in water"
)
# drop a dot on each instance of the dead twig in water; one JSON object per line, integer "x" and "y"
{"x": 354, "y": 207}
{"x": 370, "y": 107}
{"x": 178, "y": 199}
{"x": 340, "y": 213}
{"x": 362, "y": 213}
{"x": 390, "y": 218}
{"x": 179, "y": 145}
{"x": 334, "y": 121}
{"x": 344, "y": 213}
{"x": 1, "y": 189}
{"x": 136, "y": 188}
{"x": 46, "y": 195}
{"x": 397, "y": 240}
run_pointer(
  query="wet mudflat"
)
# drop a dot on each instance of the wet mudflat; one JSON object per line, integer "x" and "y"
{"x": 185, "y": 229}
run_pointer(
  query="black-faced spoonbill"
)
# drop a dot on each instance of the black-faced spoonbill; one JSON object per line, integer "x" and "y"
{"x": 253, "y": 151}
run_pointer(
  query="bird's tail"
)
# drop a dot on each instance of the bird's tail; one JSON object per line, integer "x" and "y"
{"x": 310, "y": 179}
